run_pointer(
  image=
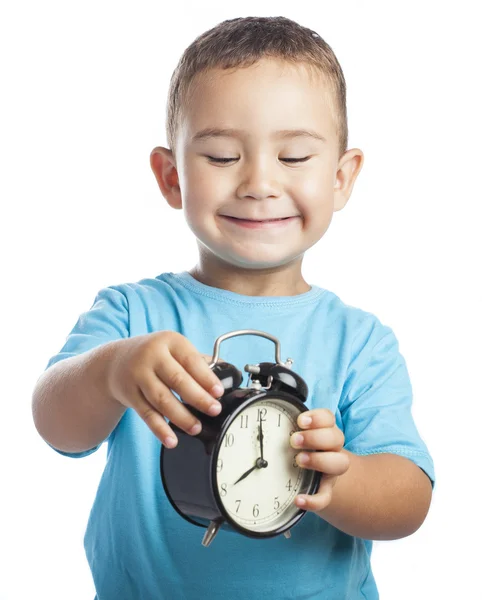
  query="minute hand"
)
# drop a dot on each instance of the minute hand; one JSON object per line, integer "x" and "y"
{"x": 261, "y": 438}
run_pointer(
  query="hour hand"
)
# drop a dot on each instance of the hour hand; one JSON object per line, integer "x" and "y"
{"x": 244, "y": 475}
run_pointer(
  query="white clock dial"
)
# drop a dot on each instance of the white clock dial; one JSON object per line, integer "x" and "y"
{"x": 262, "y": 500}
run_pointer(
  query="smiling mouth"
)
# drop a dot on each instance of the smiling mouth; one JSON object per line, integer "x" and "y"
{"x": 266, "y": 224}
{"x": 258, "y": 221}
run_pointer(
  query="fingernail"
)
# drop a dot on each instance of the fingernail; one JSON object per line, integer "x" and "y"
{"x": 170, "y": 441}
{"x": 304, "y": 420}
{"x": 297, "y": 439}
{"x": 215, "y": 409}
{"x": 302, "y": 458}
{"x": 195, "y": 429}
{"x": 300, "y": 501}
{"x": 217, "y": 391}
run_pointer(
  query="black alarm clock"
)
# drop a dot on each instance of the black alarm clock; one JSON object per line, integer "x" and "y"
{"x": 239, "y": 473}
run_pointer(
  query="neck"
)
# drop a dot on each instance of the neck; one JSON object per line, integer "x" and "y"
{"x": 285, "y": 280}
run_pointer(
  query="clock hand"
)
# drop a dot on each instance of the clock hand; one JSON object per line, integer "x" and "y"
{"x": 244, "y": 475}
{"x": 261, "y": 437}
{"x": 260, "y": 464}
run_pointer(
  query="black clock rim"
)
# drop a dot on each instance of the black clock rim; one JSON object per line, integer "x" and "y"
{"x": 251, "y": 399}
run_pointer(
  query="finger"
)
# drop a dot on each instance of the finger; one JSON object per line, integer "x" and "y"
{"x": 316, "y": 419}
{"x": 184, "y": 381}
{"x": 330, "y": 438}
{"x": 209, "y": 359}
{"x": 196, "y": 364}
{"x": 153, "y": 419}
{"x": 163, "y": 401}
{"x": 330, "y": 463}
{"x": 322, "y": 498}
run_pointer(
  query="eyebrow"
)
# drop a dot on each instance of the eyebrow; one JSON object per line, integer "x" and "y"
{"x": 214, "y": 132}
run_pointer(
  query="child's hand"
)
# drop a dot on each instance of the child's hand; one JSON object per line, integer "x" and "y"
{"x": 146, "y": 368}
{"x": 320, "y": 433}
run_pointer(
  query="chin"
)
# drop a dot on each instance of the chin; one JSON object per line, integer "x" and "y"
{"x": 254, "y": 257}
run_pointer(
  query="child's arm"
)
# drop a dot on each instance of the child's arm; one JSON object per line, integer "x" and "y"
{"x": 78, "y": 402}
{"x": 72, "y": 407}
{"x": 381, "y": 497}
{"x": 375, "y": 497}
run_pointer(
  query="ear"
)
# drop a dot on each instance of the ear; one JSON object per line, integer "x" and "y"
{"x": 349, "y": 166}
{"x": 163, "y": 165}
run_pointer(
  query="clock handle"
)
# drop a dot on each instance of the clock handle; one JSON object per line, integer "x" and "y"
{"x": 231, "y": 334}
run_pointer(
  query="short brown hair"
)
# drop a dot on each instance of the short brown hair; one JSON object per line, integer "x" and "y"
{"x": 238, "y": 43}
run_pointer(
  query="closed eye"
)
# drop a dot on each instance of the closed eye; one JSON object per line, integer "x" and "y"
{"x": 288, "y": 160}
{"x": 220, "y": 160}
{"x": 294, "y": 160}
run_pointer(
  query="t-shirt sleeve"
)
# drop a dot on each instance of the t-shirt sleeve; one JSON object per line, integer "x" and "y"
{"x": 376, "y": 401}
{"x": 106, "y": 321}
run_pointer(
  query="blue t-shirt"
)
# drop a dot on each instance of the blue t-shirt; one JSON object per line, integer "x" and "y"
{"x": 138, "y": 547}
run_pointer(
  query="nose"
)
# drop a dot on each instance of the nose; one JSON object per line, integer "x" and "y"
{"x": 259, "y": 180}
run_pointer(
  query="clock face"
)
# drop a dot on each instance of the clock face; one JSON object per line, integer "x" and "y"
{"x": 257, "y": 486}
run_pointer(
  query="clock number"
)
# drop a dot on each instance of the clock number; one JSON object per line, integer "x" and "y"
{"x": 244, "y": 423}
{"x": 295, "y": 464}
{"x": 238, "y": 502}
{"x": 262, "y": 414}
{"x": 279, "y": 420}
{"x": 255, "y": 510}
{"x": 276, "y": 503}
{"x": 219, "y": 466}
{"x": 288, "y": 485}
{"x": 224, "y": 490}
{"x": 229, "y": 440}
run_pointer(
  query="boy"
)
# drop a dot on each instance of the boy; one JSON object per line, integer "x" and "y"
{"x": 258, "y": 161}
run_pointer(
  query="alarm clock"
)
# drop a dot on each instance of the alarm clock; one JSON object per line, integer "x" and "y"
{"x": 239, "y": 473}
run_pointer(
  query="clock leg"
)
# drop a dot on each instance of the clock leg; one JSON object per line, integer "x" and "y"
{"x": 211, "y": 532}
{"x": 287, "y": 534}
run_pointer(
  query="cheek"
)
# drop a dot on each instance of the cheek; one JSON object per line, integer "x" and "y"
{"x": 203, "y": 184}
{"x": 200, "y": 198}
{"x": 313, "y": 181}
{"x": 313, "y": 196}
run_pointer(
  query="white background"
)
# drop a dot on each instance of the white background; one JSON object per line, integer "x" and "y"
{"x": 84, "y": 86}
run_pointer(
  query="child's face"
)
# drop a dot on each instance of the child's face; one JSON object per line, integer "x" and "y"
{"x": 261, "y": 181}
